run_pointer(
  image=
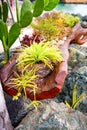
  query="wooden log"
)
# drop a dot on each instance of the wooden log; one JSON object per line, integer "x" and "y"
{"x": 5, "y": 123}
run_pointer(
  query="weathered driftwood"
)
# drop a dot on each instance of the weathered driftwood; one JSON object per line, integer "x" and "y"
{"x": 52, "y": 84}
{"x": 5, "y": 123}
{"x": 79, "y": 34}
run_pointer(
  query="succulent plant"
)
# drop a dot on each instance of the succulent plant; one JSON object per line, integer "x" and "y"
{"x": 55, "y": 25}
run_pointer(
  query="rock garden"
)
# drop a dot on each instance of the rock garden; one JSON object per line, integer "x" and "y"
{"x": 43, "y": 82}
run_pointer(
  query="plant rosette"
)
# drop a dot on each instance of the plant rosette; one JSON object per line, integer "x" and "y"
{"x": 35, "y": 80}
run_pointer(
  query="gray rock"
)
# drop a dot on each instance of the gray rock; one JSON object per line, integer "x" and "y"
{"x": 84, "y": 24}
{"x": 17, "y": 109}
{"x": 53, "y": 116}
{"x": 78, "y": 57}
{"x": 79, "y": 78}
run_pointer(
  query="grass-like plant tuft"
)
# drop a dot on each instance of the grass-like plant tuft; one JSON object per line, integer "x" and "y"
{"x": 39, "y": 53}
{"x": 23, "y": 81}
{"x": 75, "y": 100}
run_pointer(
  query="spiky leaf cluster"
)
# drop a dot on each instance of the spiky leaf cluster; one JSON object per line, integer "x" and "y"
{"x": 39, "y": 53}
{"x": 25, "y": 80}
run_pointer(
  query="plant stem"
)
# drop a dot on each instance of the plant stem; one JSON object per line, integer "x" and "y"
{"x": 10, "y": 11}
{"x": 6, "y": 54}
{"x": 6, "y": 51}
{"x": 17, "y": 12}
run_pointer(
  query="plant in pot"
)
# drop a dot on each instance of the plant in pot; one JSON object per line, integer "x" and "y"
{"x": 24, "y": 17}
{"x": 39, "y": 71}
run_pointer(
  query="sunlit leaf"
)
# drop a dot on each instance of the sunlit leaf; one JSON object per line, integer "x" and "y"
{"x": 51, "y": 4}
{"x": 26, "y": 6}
{"x": 26, "y": 19}
{"x": 13, "y": 33}
{"x": 38, "y": 8}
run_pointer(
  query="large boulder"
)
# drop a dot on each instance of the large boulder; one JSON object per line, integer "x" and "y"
{"x": 53, "y": 116}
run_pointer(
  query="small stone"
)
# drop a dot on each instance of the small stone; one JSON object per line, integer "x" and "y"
{"x": 47, "y": 112}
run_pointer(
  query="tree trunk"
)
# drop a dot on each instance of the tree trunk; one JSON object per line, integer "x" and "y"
{"x": 5, "y": 123}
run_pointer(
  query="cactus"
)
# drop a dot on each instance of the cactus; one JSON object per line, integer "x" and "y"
{"x": 24, "y": 19}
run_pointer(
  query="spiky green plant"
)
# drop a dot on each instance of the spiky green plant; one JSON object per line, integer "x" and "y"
{"x": 75, "y": 100}
{"x": 39, "y": 53}
{"x": 25, "y": 80}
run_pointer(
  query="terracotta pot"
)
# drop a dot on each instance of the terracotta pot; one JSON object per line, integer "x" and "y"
{"x": 53, "y": 83}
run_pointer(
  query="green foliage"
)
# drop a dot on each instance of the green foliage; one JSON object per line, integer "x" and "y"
{"x": 26, "y": 6}
{"x": 25, "y": 80}
{"x": 49, "y": 30}
{"x": 37, "y": 53}
{"x": 35, "y": 103}
{"x": 2, "y": 33}
{"x": 54, "y": 25}
{"x": 70, "y": 20}
{"x": 50, "y": 4}
{"x": 24, "y": 18}
{"x": 26, "y": 13}
{"x": 17, "y": 12}
{"x": 75, "y": 100}
{"x": 13, "y": 35}
{"x": 0, "y": 12}
{"x": 38, "y": 8}
{"x": 5, "y": 11}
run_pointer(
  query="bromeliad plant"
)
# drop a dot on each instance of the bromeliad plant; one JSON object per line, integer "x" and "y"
{"x": 24, "y": 18}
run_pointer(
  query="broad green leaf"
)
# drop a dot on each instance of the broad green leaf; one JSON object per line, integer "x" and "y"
{"x": 13, "y": 34}
{"x": 26, "y": 19}
{"x": 74, "y": 94}
{"x": 38, "y": 8}
{"x": 51, "y": 5}
{"x": 46, "y": 2}
{"x": 1, "y": 30}
{"x": 5, "y": 11}
{"x": 26, "y": 6}
{"x": 0, "y": 12}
